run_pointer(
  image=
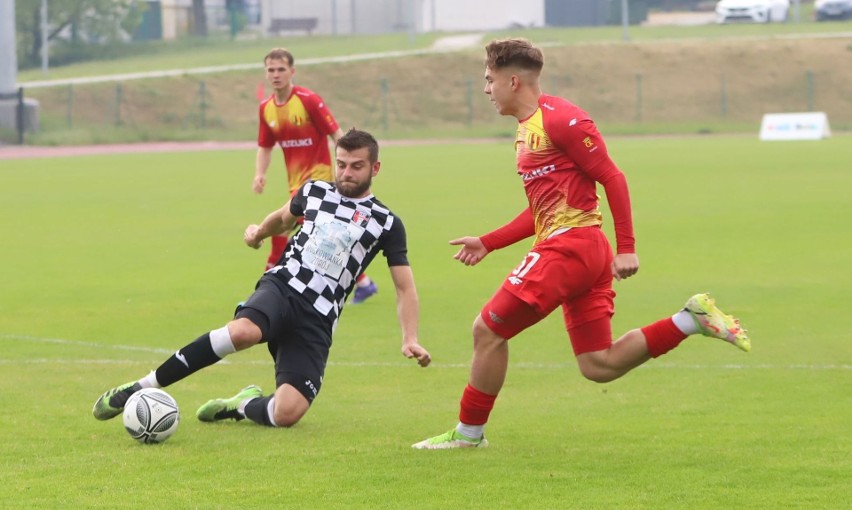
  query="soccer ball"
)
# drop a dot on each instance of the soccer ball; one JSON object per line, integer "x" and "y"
{"x": 151, "y": 416}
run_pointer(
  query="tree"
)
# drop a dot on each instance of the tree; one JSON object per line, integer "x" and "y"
{"x": 75, "y": 22}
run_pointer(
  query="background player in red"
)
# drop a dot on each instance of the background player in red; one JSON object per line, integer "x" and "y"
{"x": 561, "y": 157}
{"x": 298, "y": 120}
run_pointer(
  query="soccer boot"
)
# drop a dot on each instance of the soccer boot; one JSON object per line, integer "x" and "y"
{"x": 362, "y": 293}
{"x": 224, "y": 408}
{"x": 450, "y": 439}
{"x": 111, "y": 404}
{"x": 714, "y": 323}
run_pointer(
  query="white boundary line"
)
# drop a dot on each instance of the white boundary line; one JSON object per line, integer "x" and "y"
{"x": 357, "y": 364}
{"x": 435, "y": 49}
{"x": 37, "y": 84}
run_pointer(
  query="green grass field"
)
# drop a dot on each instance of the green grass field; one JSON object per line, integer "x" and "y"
{"x": 110, "y": 263}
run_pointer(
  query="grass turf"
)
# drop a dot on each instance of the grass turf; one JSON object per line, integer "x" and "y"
{"x": 112, "y": 262}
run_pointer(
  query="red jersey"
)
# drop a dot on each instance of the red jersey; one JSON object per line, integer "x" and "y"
{"x": 560, "y": 157}
{"x": 300, "y": 126}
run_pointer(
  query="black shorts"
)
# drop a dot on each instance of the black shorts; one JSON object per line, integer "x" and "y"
{"x": 297, "y": 336}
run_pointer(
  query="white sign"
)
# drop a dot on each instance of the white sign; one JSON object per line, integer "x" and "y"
{"x": 795, "y": 126}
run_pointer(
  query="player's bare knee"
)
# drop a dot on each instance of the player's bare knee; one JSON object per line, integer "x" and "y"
{"x": 598, "y": 375}
{"x": 285, "y": 417}
{"x": 286, "y": 420}
{"x": 244, "y": 333}
{"x": 596, "y": 372}
{"x": 484, "y": 337}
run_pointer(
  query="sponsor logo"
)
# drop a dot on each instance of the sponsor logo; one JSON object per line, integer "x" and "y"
{"x": 311, "y": 386}
{"x": 545, "y": 105}
{"x": 536, "y": 173}
{"x": 573, "y": 122}
{"x": 360, "y": 218}
{"x": 514, "y": 280}
{"x": 296, "y": 142}
{"x": 180, "y": 357}
{"x": 495, "y": 318}
{"x": 533, "y": 141}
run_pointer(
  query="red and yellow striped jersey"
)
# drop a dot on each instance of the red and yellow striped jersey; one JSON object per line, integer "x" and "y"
{"x": 300, "y": 127}
{"x": 560, "y": 157}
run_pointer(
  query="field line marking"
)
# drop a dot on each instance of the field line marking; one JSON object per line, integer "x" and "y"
{"x": 356, "y": 364}
{"x": 464, "y": 366}
{"x": 353, "y": 58}
{"x": 63, "y": 341}
{"x": 381, "y": 55}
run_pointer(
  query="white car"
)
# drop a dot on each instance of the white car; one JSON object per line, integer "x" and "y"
{"x": 756, "y": 11}
{"x": 832, "y": 9}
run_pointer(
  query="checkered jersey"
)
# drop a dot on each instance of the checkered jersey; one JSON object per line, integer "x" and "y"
{"x": 339, "y": 239}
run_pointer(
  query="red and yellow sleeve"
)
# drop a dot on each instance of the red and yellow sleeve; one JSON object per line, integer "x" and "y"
{"x": 584, "y": 144}
{"x": 265, "y": 135}
{"x": 321, "y": 115}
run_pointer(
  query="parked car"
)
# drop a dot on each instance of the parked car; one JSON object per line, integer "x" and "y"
{"x": 756, "y": 11}
{"x": 832, "y": 9}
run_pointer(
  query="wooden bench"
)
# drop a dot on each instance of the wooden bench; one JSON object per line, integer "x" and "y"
{"x": 283, "y": 24}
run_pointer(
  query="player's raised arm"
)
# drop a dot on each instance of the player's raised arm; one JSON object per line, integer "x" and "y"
{"x": 408, "y": 312}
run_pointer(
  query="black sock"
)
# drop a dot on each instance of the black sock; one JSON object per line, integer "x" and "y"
{"x": 187, "y": 361}
{"x": 256, "y": 411}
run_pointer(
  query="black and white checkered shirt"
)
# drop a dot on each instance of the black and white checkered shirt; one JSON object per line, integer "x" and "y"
{"x": 339, "y": 239}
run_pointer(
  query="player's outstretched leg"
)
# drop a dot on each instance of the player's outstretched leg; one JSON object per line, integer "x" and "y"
{"x": 450, "y": 439}
{"x": 111, "y": 404}
{"x": 225, "y": 408}
{"x": 714, "y": 323}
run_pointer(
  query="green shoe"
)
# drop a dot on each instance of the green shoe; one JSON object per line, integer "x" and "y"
{"x": 224, "y": 408}
{"x": 714, "y": 323}
{"x": 111, "y": 404}
{"x": 450, "y": 439}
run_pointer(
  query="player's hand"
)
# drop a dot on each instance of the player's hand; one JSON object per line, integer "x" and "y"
{"x": 471, "y": 252}
{"x": 250, "y": 237}
{"x": 415, "y": 350}
{"x": 625, "y": 265}
{"x": 258, "y": 184}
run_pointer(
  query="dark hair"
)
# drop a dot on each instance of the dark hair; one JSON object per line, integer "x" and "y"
{"x": 513, "y": 53}
{"x": 355, "y": 139}
{"x": 279, "y": 54}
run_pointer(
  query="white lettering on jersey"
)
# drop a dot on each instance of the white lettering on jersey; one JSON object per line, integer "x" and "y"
{"x": 297, "y": 142}
{"x": 537, "y": 172}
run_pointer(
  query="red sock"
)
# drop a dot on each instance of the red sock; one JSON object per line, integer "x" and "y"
{"x": 475, "y": 406}
{"x": 662, "y": 336}
{"x": 279, "y": 243}
{"x": 360, "y": 277}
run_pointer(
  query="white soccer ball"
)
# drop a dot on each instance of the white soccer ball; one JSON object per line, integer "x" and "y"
{"x": 151, "y": 415}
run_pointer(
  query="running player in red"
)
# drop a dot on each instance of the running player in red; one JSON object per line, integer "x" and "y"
{"x": 561, "y": 157}
{"x": 298, "y": 120}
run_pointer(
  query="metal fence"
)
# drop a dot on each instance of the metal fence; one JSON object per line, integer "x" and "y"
{"x": 413, "y": 97}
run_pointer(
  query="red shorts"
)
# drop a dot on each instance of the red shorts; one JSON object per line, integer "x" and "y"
{"x": 572, "y": 270}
